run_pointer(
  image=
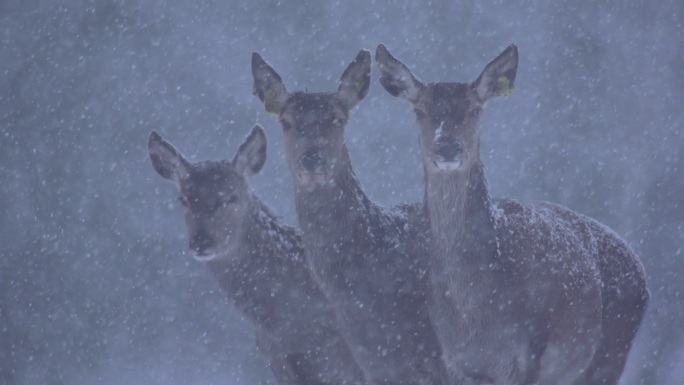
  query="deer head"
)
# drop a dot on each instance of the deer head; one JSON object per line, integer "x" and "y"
{"x": 313, "y": 123}
{"x": 215, "y": 195}
{"x": 448, "y": 113}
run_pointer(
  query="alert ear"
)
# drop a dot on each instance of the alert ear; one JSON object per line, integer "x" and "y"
{"x": 268, "y": 85}
{"x": 166, "y": 160}
{"x": 355, "y": 80}
{"x": 251, "y": 155}
{"x": 395, "y": 76}
{"x": 498, "y": 77}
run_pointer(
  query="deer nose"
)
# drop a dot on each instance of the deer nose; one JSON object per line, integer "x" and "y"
{"x": 311, "y": 161}
{"x": 448, "y": 149}
{"x": 200, "y": 243}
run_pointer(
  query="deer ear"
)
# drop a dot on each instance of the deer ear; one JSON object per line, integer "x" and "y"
{"x": 268, "y": 85}
{"x": 355, "y": 80}
{"x": 498, "y": 76}
{"x": 166, "y": 160}
{"x": 251, "y": 155}
{"x": 395, "y": 77}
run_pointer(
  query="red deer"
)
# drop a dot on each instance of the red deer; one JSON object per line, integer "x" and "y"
{"x": 369, "y": 260}
{"x": 259, "y": 263}
{"x": 521, "y": 293}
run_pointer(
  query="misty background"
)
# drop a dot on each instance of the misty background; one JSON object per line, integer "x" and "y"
{"x": 96, "y": 282}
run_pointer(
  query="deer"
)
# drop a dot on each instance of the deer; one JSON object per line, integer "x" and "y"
{"x": 259, "y": 263}
{"x": 369, "y": 260}
{"x": 520, "y": 293}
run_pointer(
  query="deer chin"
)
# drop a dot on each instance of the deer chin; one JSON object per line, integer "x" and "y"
{"x": 205, "y": 257}
{"x": 312, "y": 180}
{"x": 447, "y": 165}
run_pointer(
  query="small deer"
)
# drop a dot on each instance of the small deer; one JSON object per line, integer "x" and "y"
{"x": 369, "y": 260}
{"x": 259, "y": 263}
{"x": 520, "y": 293}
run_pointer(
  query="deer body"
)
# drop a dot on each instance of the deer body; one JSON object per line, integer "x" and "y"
{"x": 365, "y": 266}
{"x": 259, "y": 263}
{"x": 369, "y": 260}
{"x": 521, "y": 293}
{"x": 268, "y": 281}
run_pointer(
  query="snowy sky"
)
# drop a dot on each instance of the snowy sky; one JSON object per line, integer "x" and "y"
{"x": 97, "y": 285}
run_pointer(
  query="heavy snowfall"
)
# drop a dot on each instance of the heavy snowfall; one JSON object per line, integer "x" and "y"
{"x": 97, "y": 283}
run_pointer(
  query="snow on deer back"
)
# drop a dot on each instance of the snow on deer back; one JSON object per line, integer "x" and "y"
{"x": 521, "y": 293}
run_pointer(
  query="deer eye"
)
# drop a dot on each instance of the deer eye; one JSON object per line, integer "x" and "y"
{"x": 217, "y": 205}
{"x": 286, "y": 124}
{"x": 183, "y": 201}
{"x": 231, "y": 199}
{"x": 475, "y": 112}
{"x": 420, "y": 114}
{"x": 224, "y": 202}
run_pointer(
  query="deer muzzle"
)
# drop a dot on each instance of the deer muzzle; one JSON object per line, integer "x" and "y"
{"x": 447, "y": 153}
{"x": 200, "y": 243}
{"x": 311, "y": 161}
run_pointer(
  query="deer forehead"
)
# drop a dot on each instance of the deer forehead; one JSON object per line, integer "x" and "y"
{"x": 305, "y": 108}
{"x": 211, "y": 180}
{"x": 447, "y": 104}
{"x": 445, "y": 96}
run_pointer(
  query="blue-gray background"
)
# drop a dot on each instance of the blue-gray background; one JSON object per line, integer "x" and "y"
{"x": 96, "y": 285}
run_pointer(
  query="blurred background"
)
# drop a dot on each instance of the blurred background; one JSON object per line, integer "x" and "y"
{"x": 96, "y": 284}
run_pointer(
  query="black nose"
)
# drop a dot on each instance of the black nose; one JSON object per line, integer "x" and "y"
{"x": 448, "y": 149}
{"x": 200, "y": 242}
{"x": 311, "y": 161}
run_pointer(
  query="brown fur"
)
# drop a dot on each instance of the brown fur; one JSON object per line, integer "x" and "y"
{"x": 259, "y": 263}
{"x": 369, "y": 260}
{"x": 522, "y": 293}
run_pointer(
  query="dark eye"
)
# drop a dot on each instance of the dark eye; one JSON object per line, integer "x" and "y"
{"x": 337, "y": 122}
{"x": 183, "y": 201}
{"x": 231, "y": 199}
{"x": 286, "y": 124}
{"x": 420, "y": 114}
{"x": 475, "y": 112}
{"x": 224, "y": 202}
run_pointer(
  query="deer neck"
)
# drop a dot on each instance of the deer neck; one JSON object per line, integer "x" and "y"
{"x": 265, "y": 242}
{"x": 461, "y": 221}
{"x": 332, "y": 213}
{"x": 267, "y": 235}
{"x": 269, "y": 253}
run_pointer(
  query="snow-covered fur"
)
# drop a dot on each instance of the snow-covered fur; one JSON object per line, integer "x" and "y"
{"x": 520, "y": 293}
{"x": 259, "y": 262}
{"x": 369, "y": 260}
